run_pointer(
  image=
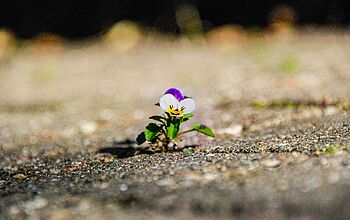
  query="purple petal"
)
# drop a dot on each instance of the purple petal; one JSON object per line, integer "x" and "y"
{"x": 177, "y": 93}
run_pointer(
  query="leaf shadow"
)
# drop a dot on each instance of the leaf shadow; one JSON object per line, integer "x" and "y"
{"x": 124, "y": 149}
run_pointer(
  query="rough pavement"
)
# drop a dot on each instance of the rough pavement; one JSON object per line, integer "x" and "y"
{"x": 280, "y": 109}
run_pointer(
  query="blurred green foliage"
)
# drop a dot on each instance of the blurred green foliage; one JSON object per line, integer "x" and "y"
{"x": 289, "y": 65}
{"x": 189, "y": 22}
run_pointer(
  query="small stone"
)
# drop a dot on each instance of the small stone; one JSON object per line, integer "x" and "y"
{"x": 55, "y": 171}
{"x": 271, "y": 163}
{"x": 218, "y": 149}
{"x": 123, "y": 187}
{"x": 317, "y": 153}
{"x": 295, "y": 154}
{"x": 19, "y": 176}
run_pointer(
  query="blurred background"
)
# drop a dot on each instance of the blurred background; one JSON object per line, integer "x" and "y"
{"x": 81, "y": 19}
{"x": 90, "y": 69}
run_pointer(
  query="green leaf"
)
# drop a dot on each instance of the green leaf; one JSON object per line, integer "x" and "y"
{"x": 141, "y": 138}
{"x": 152, "y": 131}
{"x": 330, "y": 150}
{"x": 157, "y": 118}
{"x": 186, "y": 117}
{"x": 173, "y": 130}
{"x": 203, "y": 129}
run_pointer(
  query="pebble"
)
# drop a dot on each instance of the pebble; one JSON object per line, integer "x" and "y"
{"x": 19, "y": 176}
{"x": 295, "y": 154}
{"x": 123, "y": 187}
{"x": 55, "y": 171}
{"x": 271, "y": 163}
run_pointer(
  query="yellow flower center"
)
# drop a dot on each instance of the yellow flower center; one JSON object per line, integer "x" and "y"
{"x": 176, "y": 111}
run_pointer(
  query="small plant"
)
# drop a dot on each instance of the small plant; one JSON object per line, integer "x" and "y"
{"x": 165, "y": 131}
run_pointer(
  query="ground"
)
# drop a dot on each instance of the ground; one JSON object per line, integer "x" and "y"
{"x": 280, "y": 108}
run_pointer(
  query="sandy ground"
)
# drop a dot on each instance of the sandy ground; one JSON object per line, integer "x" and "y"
{"x": 279, "y": 106}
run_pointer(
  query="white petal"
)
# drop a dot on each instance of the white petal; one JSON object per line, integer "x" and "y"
{"x": 188, "y": 104}
{"x": 167, "y": 100}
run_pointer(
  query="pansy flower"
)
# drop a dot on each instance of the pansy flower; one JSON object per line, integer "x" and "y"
{"x": 175, "y": 103}
{"x": 165, "y": 129}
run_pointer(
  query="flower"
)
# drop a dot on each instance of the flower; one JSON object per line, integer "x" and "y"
{"x": 174, "y": 102}
{"x": 176, "y": 92}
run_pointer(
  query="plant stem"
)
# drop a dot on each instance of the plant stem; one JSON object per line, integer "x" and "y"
{"x": 184, "y": 132}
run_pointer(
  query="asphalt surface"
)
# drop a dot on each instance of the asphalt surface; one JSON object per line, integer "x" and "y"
{"x": 280, "y": 109}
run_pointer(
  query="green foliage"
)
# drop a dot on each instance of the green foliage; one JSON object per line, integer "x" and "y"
{"x": 166, "y": 129}
{"x": 189, "y": 22}
{"x": 187, "y": 117}
{"x": 289, "y": 65}
{"x": 151, "y": 131}
{"x": 330, "y": 150}
{"x": 173, "y": 130}
{"x": 141, "y": 138}
{"x": 203, "y": 129}
{"x": 258, "y": 105}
